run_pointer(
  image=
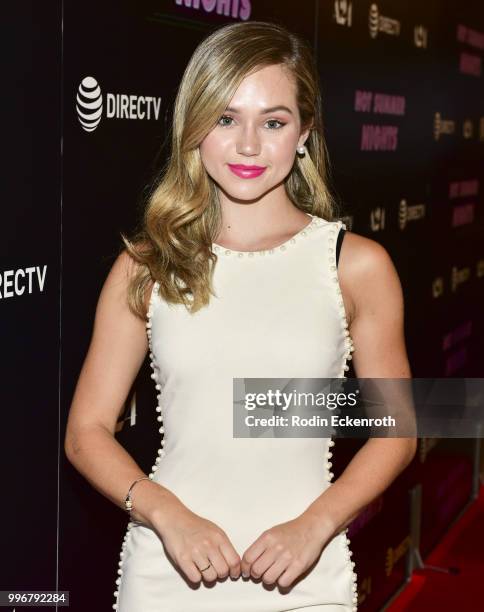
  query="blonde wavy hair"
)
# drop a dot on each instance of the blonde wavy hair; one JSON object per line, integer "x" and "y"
{"x": 182, "y": 216}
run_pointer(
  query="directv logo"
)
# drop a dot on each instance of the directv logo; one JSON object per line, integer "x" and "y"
{"x": 89, "y": 105}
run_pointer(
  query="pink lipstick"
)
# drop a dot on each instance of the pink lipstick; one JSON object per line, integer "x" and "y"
{"x": 246, "y": 171}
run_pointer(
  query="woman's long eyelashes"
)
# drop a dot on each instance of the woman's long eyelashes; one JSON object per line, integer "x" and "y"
{"x": 281, "y": 123}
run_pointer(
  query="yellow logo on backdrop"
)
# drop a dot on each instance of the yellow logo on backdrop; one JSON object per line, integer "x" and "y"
{"x": 395, "y": 554}
{"x": 459, "y": 276}
{"x": 438, "y": 287}
{"x": 468, "y": 129}
{"x": 377, "y": 219}
{"x": 442, "y": 126}
{"x": 364, "y": 590}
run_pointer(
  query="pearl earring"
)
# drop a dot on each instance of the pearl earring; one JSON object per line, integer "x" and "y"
{"x": 301, "y": 150}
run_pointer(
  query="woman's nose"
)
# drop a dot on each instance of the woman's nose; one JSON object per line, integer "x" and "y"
{"x": 248, "y": 141}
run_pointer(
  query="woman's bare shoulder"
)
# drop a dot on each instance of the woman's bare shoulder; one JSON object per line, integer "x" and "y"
{"x": 116, "y": 351}
{"x": 363, "y": 253}
{"x": 366, "y": 270}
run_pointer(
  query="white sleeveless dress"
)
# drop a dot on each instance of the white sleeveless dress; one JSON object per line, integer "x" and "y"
{"x": 278, "y": 313}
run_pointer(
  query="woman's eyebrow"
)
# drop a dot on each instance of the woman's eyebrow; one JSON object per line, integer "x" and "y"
{"x": 272, "y": 109}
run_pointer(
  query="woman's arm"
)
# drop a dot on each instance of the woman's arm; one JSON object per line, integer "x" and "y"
{"x": 117, "y": 350}
{"x": 373, "y": 299}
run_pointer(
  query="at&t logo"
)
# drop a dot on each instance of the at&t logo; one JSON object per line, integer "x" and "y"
{"x": 89, "y": 104}
{"x": 381, "y": 23}
{"x": 442, "y": 126}
{"x": 408, "y": 213}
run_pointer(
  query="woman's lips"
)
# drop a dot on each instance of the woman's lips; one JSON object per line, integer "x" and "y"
{"x": 246, "y": 171}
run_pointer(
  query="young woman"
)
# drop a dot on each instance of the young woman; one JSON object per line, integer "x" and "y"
{"x": 237, "y": 272}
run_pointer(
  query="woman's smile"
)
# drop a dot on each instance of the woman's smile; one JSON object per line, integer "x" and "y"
{"x": 244, "y": 171}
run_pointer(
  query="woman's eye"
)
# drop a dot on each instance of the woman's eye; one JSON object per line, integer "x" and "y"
{"x": 281, "y": 124}
{"x": 222, "y": 118}
{"x": 276, "y": 121}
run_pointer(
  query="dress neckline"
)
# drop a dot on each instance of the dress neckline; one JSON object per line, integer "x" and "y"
{"x": 218, "y": 248}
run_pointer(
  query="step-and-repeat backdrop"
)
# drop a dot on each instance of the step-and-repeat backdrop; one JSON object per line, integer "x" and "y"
{"x": 404, "y": 110}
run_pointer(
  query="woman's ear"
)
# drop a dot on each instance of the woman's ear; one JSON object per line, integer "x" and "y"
{"x": 305, "y": 134}
{"x": 303, "y": 137}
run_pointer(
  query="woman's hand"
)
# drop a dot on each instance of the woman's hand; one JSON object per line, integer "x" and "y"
{"x": 193, "y": 542}
{"x": 285, "y": 551}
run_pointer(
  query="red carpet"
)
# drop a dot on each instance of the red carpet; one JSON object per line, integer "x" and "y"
{"x": 461, "y": 547}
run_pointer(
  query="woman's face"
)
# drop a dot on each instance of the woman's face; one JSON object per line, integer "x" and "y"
{"x": 253, "y": 132}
